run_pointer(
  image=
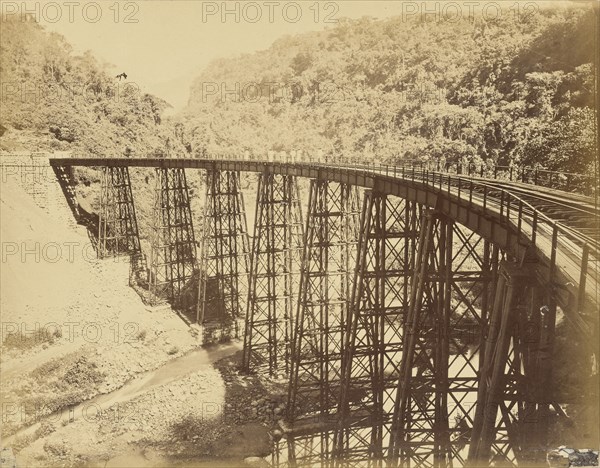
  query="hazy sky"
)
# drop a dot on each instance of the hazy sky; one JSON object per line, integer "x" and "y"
{"x": 172, "y": 40}
{"x": 162, "y": 45}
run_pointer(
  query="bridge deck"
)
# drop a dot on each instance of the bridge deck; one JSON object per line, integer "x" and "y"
{"x": 561, "y": 227}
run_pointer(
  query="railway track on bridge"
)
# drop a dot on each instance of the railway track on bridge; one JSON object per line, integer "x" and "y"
{"x": 563, "y": 227}
{"x": 391, "y": 293}
{"x": 571, "y": 210}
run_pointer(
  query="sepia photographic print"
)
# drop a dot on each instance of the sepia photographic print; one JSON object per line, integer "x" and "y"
{"x": 351, "y": 233}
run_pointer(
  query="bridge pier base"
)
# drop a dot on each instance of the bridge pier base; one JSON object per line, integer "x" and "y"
{"x": 274, "y": 271}
{"x": 117, "y": 227}
{"x": 319, "y": 329}
{"x": 223, "y": 283}
{"x": 172, "y": 245}
{"x": 309, "y": 447}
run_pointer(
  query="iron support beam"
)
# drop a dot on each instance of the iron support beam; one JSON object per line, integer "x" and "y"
{"x": 274, "y": 275}
{"x": 513, "y": 392}
{"x": 223, "y": 284}
{"x": 384, "y": 264}
{"x": 438, "y": 369}
{"x": 329, "y": 254}
{"x": 117, "y": 227}
{"x": 172, "y": 243}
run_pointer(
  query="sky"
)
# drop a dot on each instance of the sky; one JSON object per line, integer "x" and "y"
{"x": 163, "y": 45}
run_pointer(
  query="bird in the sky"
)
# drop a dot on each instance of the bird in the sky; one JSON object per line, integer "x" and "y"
{"x": 122, "y": 75}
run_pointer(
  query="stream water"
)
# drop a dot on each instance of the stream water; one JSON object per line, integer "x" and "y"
{"x": 194, "y": 361}
{"x": 311, "y": 448}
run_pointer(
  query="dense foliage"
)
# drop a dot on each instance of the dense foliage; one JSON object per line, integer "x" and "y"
{"x": 53, "y": 99}
{"x": 516, "y": 90}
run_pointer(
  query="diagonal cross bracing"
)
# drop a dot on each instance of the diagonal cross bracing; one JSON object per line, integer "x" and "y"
{"x": 328, "y": 258}
{"x": 510, "y": 424}
{"x": 385, "y": 263}
{"x": 309, "y": 448}
{"x": 64, "y": 175}
{"x": 313, "y": 446}
{"x": 447, "y": 314}
{"x": 172, "y": 243}
{"x": 223, "y": 285}
{"x": 274, "y": 275}
{"x": 117, "y": 227}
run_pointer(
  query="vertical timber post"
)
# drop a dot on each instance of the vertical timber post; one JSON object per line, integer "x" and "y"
{"x": 274, "y": 271}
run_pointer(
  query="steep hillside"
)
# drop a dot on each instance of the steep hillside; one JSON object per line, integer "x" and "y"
{"x": 53, "y": 99}
{"x": 517, "y": 89}
{"x": 72, "y": 328}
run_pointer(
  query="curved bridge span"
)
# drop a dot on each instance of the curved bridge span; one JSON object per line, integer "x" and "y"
{"x": 412, "y": 311}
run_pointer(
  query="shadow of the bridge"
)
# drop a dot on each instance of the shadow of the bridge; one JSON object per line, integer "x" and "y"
{"x": 417, "y": 314}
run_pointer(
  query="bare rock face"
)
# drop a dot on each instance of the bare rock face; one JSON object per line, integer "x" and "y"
{"x": 565, "y": 457}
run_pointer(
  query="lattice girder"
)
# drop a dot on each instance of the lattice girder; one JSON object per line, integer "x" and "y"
{"x": 117, "y": 227}
{"x": 65, "y": 177}
{"x": 328, "y": 258}
{"x": 385, "y": 262}
{"x": 447, "y": 314}
{"x": 223, "y": 284}
{"x": 274, "y": 275}
{"x": 172, "y": 245}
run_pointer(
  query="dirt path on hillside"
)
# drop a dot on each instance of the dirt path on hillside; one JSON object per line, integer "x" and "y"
{"x": 194, "y": 361}
{"x": 184, "y": 414}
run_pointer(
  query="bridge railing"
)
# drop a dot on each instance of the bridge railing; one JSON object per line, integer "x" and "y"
{"x": 566, "y": 248}
{"x": 568, "y": 181}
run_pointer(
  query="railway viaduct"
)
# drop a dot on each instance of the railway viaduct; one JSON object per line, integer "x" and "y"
{"x": 412, "y": 310}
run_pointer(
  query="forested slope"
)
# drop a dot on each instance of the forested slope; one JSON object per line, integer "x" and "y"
{"x": 53, "y": 99}
{"x": 518, "y": 89}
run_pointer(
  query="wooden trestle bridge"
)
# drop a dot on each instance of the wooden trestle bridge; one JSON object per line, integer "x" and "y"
{"x": 412, "y": 310}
